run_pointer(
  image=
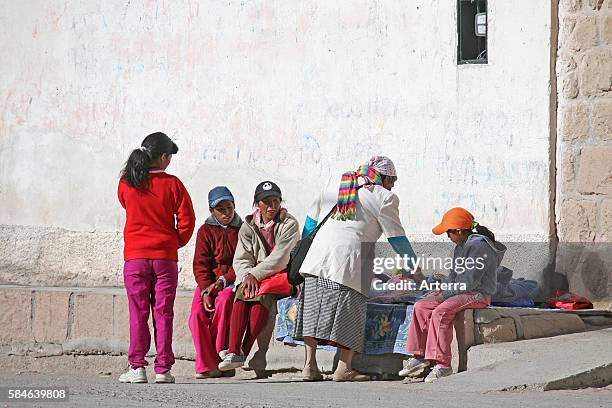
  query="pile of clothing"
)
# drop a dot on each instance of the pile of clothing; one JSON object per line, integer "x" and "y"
{"x": 514, "y": 292}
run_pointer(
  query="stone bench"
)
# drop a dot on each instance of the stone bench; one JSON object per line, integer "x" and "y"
{"x": 496, "y": 325}
{"x": 501, "y": 324}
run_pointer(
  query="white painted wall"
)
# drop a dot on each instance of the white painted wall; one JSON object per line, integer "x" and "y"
{"x": 292, "y": 91}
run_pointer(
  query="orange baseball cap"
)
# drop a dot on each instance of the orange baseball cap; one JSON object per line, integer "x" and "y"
{"x": 456, "y": 218}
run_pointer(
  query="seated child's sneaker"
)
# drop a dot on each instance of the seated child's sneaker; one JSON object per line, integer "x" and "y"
{"x": 164, "y": 378}
{"x": 437, "y": 373}
{"x": 231, "y": 361}
{"x": 224, "y": 353}
{"x": 415, "y": 367}
{"x": 138, "y": 375}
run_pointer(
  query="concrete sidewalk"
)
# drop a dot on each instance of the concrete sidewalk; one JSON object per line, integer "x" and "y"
{"x": 282, "y": 391}
{"x": 563, "y": 362}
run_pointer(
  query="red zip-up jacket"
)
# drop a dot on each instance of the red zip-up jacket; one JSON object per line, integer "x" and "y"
{"x": 214, "y": 252}
{"x": 151, "y": 230}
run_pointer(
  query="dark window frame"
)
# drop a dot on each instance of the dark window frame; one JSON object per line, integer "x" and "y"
{"x": 466, "y": 36}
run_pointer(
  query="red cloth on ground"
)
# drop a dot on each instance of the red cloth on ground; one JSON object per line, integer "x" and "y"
{"x": 569, "y": 301}
{"x": 151, "y": 231}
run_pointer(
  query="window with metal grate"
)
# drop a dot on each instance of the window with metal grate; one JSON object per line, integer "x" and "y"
{"x": 472, "y": 31}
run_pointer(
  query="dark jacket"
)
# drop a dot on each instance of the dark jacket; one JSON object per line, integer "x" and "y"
{"x": 214, "y": 252}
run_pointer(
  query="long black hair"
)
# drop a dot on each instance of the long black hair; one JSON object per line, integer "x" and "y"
{"x": 482, "y": 230}
{"x": 136, "y": 170}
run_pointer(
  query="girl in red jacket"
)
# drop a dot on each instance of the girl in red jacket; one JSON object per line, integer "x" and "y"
{"x": 212, "y": 267}
{"x": 152, "y": 235}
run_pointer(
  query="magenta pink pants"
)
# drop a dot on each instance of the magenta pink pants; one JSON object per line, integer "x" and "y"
{"x": 209, "y": 333}
{"x": 151, "y": 284}
{"x": 431, "y": 329}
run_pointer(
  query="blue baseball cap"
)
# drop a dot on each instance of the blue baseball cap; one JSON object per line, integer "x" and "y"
{"x": 218, "y": 194}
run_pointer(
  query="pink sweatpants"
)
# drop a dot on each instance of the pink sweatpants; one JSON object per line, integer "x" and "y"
{"x": 210, "y": 333}
{"x": 151, "y": 284}
{"x": 431, "y": 330}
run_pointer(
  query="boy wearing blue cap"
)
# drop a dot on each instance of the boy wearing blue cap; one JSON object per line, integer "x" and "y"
{"x": 212, "y": 267}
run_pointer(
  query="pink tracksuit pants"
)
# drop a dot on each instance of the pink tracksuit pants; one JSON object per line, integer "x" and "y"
{"x": 209, "y": 333}
{"x": 431, "y": 330}
{"x": 151, "y": 284}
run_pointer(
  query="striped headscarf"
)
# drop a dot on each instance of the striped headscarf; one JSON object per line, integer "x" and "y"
{"x": 346, "y": 208}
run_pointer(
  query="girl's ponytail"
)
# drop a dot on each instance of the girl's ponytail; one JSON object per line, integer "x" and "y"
{"x": 136, "y": 170}
{"x": 482, "y": 230}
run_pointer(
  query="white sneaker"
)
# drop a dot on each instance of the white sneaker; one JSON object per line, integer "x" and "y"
{"x": 414, "y": 367}
{"x": 438, "y": 373}
{"x": 138, "y": 375}
{"x": 165, "y": 378}
{"x": 224, "y": 353}
{"x": 231, "y": 361}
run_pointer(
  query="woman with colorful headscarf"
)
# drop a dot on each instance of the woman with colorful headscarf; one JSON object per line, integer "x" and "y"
{"x": 333, "y": 304}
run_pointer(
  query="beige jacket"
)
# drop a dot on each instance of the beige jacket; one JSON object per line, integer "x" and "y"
{"x": 250, "y": 256}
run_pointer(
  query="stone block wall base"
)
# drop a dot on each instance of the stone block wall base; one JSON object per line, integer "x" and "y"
{"x": 51, "y": 323}
{"x": 93, "y": 324}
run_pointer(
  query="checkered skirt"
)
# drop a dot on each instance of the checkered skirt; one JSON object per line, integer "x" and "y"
{"x": 333, "y": 312}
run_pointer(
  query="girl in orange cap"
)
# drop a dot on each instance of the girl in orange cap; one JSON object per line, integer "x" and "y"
{"x": 431, "y": 328}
